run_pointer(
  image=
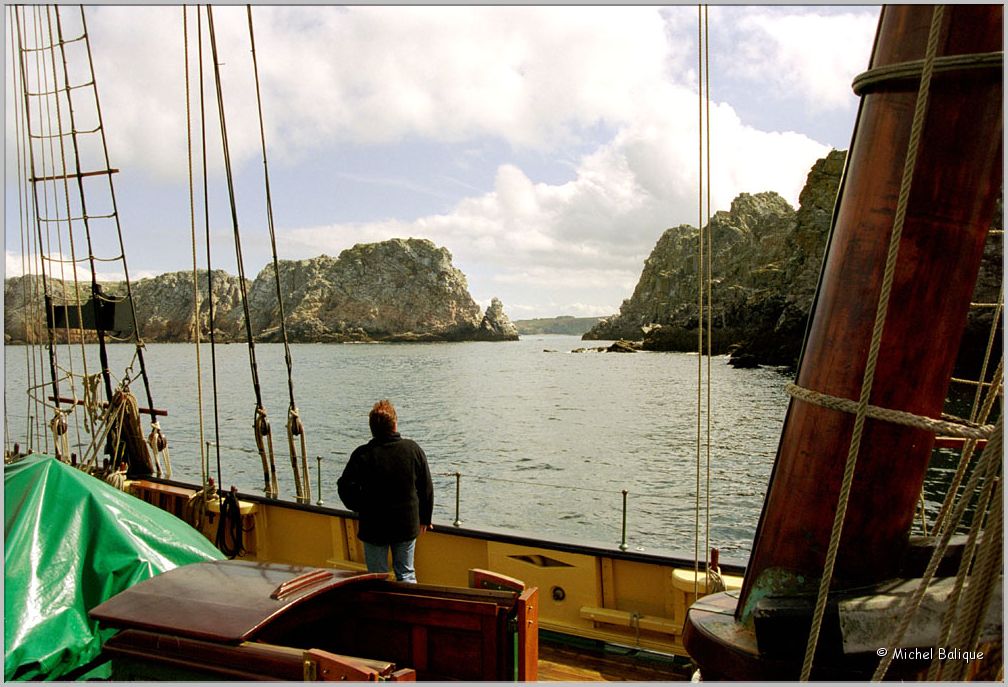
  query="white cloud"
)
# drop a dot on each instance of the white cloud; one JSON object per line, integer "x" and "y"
{"x": 16, "y": 266}
{"x": 12, "y": 266}
{"x": 594, "y": 232}
{"x": 529, "y": 75}
{"x": 808, "y": 54}
{"x": 534, "y": 78}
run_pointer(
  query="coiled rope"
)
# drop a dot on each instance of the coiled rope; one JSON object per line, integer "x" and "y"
{"x": 229, "y": 528}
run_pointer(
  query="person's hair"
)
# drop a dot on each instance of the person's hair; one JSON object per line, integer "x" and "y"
{"x": 382, "y": 418}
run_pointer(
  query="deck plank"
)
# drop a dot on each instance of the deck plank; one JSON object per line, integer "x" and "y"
{"x": 560, "y": 663}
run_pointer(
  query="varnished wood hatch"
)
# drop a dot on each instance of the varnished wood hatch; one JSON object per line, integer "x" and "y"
{"x": 245, "y": 620}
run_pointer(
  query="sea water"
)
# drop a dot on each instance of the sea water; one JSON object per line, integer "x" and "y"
{"x": 545, "y": 439}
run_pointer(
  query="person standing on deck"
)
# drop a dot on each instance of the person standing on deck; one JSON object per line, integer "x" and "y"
{"x": 388, "y": 483}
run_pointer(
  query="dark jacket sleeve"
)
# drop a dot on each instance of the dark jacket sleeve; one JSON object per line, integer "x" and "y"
{"x": 424, "y": 489}
{"x": 350, "y": 489}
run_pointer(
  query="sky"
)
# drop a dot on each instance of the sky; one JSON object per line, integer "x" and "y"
{"x": 547, "y": 148}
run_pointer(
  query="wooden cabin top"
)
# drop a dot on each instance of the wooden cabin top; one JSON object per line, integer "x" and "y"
{"x": 222, "y": 601}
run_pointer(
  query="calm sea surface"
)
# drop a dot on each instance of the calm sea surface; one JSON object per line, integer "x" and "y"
{"x": 545, "y": 439}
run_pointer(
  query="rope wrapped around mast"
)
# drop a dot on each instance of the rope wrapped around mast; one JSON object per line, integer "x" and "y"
{"x": 959, "y": 430}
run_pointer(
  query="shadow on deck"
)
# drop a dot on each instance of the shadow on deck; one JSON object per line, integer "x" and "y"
{"x": 563, "y": 661}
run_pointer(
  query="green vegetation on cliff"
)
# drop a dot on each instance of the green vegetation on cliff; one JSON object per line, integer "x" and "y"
{"x": 565, "y": 324}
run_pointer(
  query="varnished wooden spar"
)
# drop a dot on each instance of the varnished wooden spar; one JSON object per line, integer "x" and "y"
{"x": 956, "y": 183}
{"x": 144, "y": 411}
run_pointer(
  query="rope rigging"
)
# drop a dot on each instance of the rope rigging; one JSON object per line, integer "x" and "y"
{"x": 295, "y": 428}
{"x": 49, "y": 168}
{"x": 882, "y": 306}
{"x": 31, "y": 158}
{"x": 260, "y": 423}
{"x": 206, "y": 222}
{"x": 704, "y": 281}
{"x": 204, "y": 458}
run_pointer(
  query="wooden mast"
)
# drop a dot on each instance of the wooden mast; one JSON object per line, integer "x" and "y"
{"x": 956, "y": 182}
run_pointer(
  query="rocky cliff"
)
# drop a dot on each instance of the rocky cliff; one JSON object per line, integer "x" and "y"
{"x": 765, "y": 262}
{"x": 396, "y": 290}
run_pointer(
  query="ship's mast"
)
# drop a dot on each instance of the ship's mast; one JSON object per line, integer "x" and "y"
{"x": 956, "y": 180}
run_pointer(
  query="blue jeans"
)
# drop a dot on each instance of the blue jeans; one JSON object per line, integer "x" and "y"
{"x": 376, "y": 557}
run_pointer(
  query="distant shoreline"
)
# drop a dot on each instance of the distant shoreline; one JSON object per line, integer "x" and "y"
{"x": 563, "y": 324}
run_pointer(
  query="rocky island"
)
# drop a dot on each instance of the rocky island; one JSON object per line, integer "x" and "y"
{"x": 765, "y": 263}
{"x": 395, "y": 290}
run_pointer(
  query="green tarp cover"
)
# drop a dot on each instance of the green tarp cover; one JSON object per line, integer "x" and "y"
{"x": 71, "y": 542}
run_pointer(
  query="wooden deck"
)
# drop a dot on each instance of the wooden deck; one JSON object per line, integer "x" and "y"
{"x": 564, "y": 663}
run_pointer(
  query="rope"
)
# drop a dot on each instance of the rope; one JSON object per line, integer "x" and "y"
{"x": 261, "y": 429}
{"x": 117, "y": 477}
{"x": 302, "y": 480}
{"x": 990, "y": 461}
{"x": 112, "y": 196}
{"x": 58, "y": 425}
{"x": 23, "y": 225}
{"x": 880, "y": 317}
{"x": 911, "y": 71}
{"x": 229, "y": 528}
{"x": 204, "y": 464}
{"x": 527, "y": 483}
{"x": 700, "y": 294}
{"x": 952, "y": 605}
{"x": 991, "y": 338}
{"x": 260, "y": 411}
{"x": 159, "y": 446}
{"x": 34, "y": 190}
{"x": 66, "y": 201}
{"x": 987, "y": 573}
{"x": 703, "y": 269}
{"x": 710, "y": 316}
{"x": 900, "y": 417}
{"x": 969, "y": 448}
{"x": 196, "y": 506}
{"x": 206, "y": 224}
{"x": 295, "y": 427}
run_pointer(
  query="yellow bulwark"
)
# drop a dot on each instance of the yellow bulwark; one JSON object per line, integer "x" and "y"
{"x": 625, "y": 598}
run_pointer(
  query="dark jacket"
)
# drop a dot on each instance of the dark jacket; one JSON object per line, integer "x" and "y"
{"x": 388, "y": 483}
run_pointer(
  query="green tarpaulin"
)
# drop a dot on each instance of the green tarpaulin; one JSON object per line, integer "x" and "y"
{"x": 71, "y": 542}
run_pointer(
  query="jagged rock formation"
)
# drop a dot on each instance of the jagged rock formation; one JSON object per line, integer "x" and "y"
{"x": 766, "y": 259}
{"x": 396, "y": 290}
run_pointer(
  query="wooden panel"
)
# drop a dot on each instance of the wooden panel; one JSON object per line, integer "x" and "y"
{"x": 576, "y": 577}
{"x": 528, "y": 635}
{"x": 608, "y": 582}
{"x": 246, "y": 661}
{"x": 443, "y": 633}
{"x": 167, "y": 497}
